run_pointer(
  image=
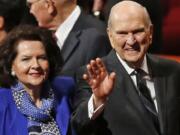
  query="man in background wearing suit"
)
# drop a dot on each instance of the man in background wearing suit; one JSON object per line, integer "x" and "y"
{"x": 80, "y": 37}
{"x": 131, "y": 92}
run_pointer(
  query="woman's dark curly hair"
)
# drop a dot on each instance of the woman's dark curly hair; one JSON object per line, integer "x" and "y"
{"x": 8, "y": 51}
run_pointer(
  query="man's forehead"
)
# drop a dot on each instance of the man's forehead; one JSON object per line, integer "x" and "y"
{"x": 127, "y": 7}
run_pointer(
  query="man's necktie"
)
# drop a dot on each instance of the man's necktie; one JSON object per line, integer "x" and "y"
{"x": 145, "y": 97}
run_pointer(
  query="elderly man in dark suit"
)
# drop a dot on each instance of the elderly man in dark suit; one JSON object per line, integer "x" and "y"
{"x": 131, "y": 92}
{"x": 79, "y": 36}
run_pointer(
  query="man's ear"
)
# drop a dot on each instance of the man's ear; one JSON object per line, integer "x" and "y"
{"x": 109, "y": 32}
{"x": 151, "y": 33}
{"x": 1, "y": 22}
{"x": 50, "y": 5}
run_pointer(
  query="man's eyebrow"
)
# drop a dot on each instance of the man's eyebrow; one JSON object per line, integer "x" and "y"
{"x": 138, "y": 30}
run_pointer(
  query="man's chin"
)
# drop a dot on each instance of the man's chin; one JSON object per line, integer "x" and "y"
{"x": 132, "y": 60}
{"x": 132, "y": 57}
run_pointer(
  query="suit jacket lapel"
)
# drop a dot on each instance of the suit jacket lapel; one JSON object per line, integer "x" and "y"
{"x": 160, "y": 89}
{"x": 80, "y": 23}
{"x": 124, "y": 83}
{"x": 70, "y": 45}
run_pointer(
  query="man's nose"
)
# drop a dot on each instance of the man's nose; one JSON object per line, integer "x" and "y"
{"x": 130, "y": 39}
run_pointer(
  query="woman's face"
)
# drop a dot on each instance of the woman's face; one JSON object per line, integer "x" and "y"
{"x": 31, "y": 64}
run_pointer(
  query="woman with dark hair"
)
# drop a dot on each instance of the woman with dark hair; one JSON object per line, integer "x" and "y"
{"x": 33, "y": 100}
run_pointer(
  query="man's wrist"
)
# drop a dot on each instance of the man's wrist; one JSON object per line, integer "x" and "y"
{"x": 92, "y": 111}
{"x": 98, "y": 101}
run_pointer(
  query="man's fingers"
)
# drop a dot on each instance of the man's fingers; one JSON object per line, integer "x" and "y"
{"x": 101, "y": 65}
{"x": 90, "y": 81}
{"x": 85, "y": 77}
{"x": 90, "y": 71}
{"x": 94, "y": 67}
{"x": 112, "y": 76}
{"x": 94, "y": 84}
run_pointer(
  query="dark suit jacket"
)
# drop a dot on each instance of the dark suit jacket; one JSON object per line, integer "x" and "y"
{"x": 86, "y": 21}
{"x": 12, "y": 122}
{"x": 124, "y": 113}
{"x": 85, "y": 42}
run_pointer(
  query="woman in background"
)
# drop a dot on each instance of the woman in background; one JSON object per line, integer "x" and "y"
{"x": 33, "y": 100}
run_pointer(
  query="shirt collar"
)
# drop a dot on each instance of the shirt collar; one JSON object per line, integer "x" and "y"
{"x": 129, "y": 69}
{"x": 65, "y": 28}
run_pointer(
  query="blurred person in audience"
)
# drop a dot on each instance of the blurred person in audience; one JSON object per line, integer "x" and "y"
{"x": 80, "y": 37}
{"x": 94, "y": 7}
{"x": 130, "y": 92}
{"x": 86, "y": 5}
{"x": 33, "y": 100}
{"x": 27, "y": 17}
{"x": 10, "y": 16}
{"x": 98, "y": 8}
{"x": 13, "y": 13}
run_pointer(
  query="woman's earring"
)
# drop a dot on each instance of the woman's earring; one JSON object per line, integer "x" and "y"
{"x": 13, "y": 73}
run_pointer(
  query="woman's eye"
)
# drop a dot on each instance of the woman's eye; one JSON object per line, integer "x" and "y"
{"x": 43, "y": 57}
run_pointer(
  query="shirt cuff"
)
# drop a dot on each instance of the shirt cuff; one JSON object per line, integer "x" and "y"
{"x": 93, "y": 114}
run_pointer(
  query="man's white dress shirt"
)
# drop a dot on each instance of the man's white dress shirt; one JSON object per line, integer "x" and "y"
{"x": 65, "y": 28}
